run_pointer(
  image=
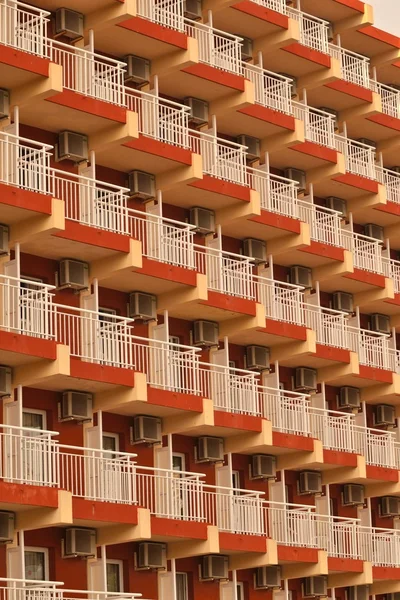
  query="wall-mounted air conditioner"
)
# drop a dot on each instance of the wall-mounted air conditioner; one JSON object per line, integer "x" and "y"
{"x": 263, "y": 466}
{"x": 5, "y": 381}
{"x": 305, "y": 379}
{"x": 76, "y": 406}
{"x": 151, "y": 555}
{"x": 353, "y": 494}
{"x": 384, "y": 414}
{"x": 142, "y": 306}
{"x": 349, "y": 397}
{"x": 192, "y": 9}
{"x": 380, "y": 323}
{"x": 256, "y": 249}
{"x": 298, "y": 176}
{"x": 73, "y": 274}
{"x": 142, "y": 185}
{"x": 310, "y": 482}
{"x": 69, "y": 23}
{"x": 342, "y": 301}
{"x": 390, "y": 506}
{"x": 337, "y": 204}
{"x": 301, "y": 276}
{"x": 266, "y": 578}
{"x": 214, "y": 566}
{"x": 72, "y": 146}
{"x": 198, "y": 110}
{"x": 257, "y": 358}
{"x": 253, "y": 146}
{"x": 205, "y": 333}
{"x": 203, "y": 219}
{"x": 4, "y": 104}
{"x": 374, "y": 231}
{"x": 209, "y": 449}
{"x": 7, "y": 526}
{"x": 314, "y": 587}
{"x": 246, "y": 49}
{"x": 293, "y": 83}
{"x": 79, "y": 542}
{"x": 146, "y": 429}
{"x": 358, "y": 592}
{"x": 137, "y": 69}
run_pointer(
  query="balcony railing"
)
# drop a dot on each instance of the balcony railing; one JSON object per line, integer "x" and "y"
{"x": 28, "y": 456}
{"x": 367, "y": 252}
{"x": 23, "y": 162}
{"x": 234, "y": 510}
{"x": 160, "y": 119}
{"x": 335, "y": 429}
{"x": 96, "y": 474}
{"x": 24, "y": 27}
{"x": 313, "y": 31}
{"x": 217, "y": 48}
{"x": 360, "y": 158}
{"x": 277, "y": 194}
{"x": 271, "y": 89}
{"x": 329, "y": 325}
{"x": 163, "y": 239}
{"x": 231, "y": 390}
{"x": 354, "y": 67}
{"x": 221, "y": 159}
{"x": 227, "y": 273}
{"x": 319, "y": 126}
{"x": 391, "y": 269}
{"x": 339, "y": 536}
{"x": 287, "y": 411}
{"x": 166, "y": 13}
{"x": 26, "y": 307}
{"x": 380, "y": 546}
{"x": 377, "y": 446}
{"x": 390, "y": 100}
{"x": 90, "y": 74}
{"x": 391, "y": 180}
{"x": 324, "y": 223}
{"x": 29, "y": 589}
{"x": 282, "y": 301}
{"x": 290, "y": 524}
{"x": 276, "y": 5}
{"x": 374, "y": 349}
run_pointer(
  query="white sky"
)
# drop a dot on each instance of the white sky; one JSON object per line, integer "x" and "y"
{"x": 387, "y": 15}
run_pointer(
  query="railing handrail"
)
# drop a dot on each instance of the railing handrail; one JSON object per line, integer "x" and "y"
{"x": 377, "y": 334}
{"x": 324, "y": 310}
{"x": 153, "y": 97}
{"x": 380, "y": 432}
{"x": 32, "y": 581}
{"x": 233, "y": 370}
{"x": 84, "y": 51}
{"x": 298, "y": 395}
{"x": 335, "y": 413}
{"x": 186, "y": 474}
{"x": 206, "y": 27}
{"x": 347, "y": 140}
{"x": 239, "y": 257}
{"x": 235, "y": 491}
{"x": 290, "y": 505}
{"x": 115, "y": 453}
{"x": 40, "y": 145}
{"x": 39, "y": 284}
{"x": 308, "y": 16}
{"x": 316, "y": 207}
{"x": 150, "y": 217}
{"x": 22, "y": 429}
{"x": 354, "y": 234}
{"x": 342, "y": 50}
{"x": 273, "y": 282}
{"x": 251, "y": 67}
{"x": 215, "y": 138}
{"x": 83, "y": 179}
{"x": 312, "y": 109}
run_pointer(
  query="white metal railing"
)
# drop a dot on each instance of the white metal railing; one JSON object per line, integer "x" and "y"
{"x": 391, "y": 180}
{"x": 329, "y": 325}
{"x": 291, "y": 524}
{"x": 376, "y": 445}
{"x": 270, "y": 89}
{"x": 354, "y": 67}
{"x": 227, "y": 273}
{"x": 91, "y": 202}
{"x": 380, "y": 546}
{"x": 96, "y": 474}
{"x": 26, "y": 307}
{"x": 28, "y": 456}
{"x": 168, "y": 13}
{"x": 98, "y": 595}
{"x": 277, "y": 194}
{"x": 231, "y": 390}
{"x": 29, "y": 589}
{"x": 367, "y": 252}
{"x": 313, "y": 31}
{"x": 160, "y": 119}
{"x": 287, "y": 411}
{"x": 170, "y": 494}
{"x": 359, "y": 158}
{"x": 24, "y": 27}
{"x": 339, "y": 536}
{"x": 335, "y": 429}
{"x": 221, "y": 159}
{"x": 276, "y": 5}
{"x": 319, "y": 126}
{"x": 391, "y": 269}
{"x": 390, "y": 98}
{"x": 24, "y": 163}
{"x": 217, "y": 48}
{"x": 90, "y": 74}
{"x": 324, "y": 223}
{"x": 374, "y": 349}
{"x": 282, "y": 301}
{"x": 234, "y": 510}
{"x": 163, "y": 239}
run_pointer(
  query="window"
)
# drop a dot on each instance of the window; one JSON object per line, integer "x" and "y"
{"x": 174, "y": 339}
{"x": 178, "y": 462}
{"x": 181, "y": 586}
{"x": 114, "y": 574}
{"x": 236, "y": 480}
{"x": 239, "y": 591}
{"x": 110, "y": 444}
{"x": 34, "y": 419}
{"x": 37, "y": 564}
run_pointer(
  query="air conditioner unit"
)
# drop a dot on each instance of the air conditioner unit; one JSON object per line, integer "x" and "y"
{"x": 267, "y": 577}
{"x": 146, "y": 429}
{"x": 368, "y": 142}
{"x": 69, "y": 23}
{"x": 298, "y": 176}
{"x": 293, "y": 83}
{"x": 214, "y": 566}
{"x": 246, "y": 48}
{"x": 390, "y": 506}
{"x": 343, "y": 301}
{"x": 74, "y": 274}
{"x": 203, "y": 219}
{"x": 358, "y": 592}
{"x": 256, "y": 249}
{"x": 76, "y": 406}
{"x": 142, "y": 185}
{"x": 301, "y": 276}
{"x": 198, "y": 110}
{"x": 380, "y": 323}
{"x": 210, "y": 449}
{"x": 305, "y": 379}
{"x": 5, "y": 381}
{"x": 263, "y": 466}
{"x": 253, "y": 146}
{"x": 72, "y": 146}
{"x": 4, "y": 104}
{"x": 337, "y": 204}
{"x": 374, "y": 231}
{"x": 151, "y": 555}
{"x": 310, "y": 482}
{"x": 205, "y": 333}
{"x": 257, "y": 358}
{"x": 353, "y": 494}
{"x": 137, "y": 69}
{"x": 7, "y": 526}
{"x": 349, "y": 397}
{"x": 142, "y": 306}
{"x": 4, "y": 237}
{"x": 192, "y": 9}
{"x": 79, "y": 542}
{"x": 315, "y": 586}
{"x": 384, "y": 414}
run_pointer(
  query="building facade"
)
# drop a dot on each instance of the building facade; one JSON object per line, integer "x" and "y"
{"x": 199, "y": 300}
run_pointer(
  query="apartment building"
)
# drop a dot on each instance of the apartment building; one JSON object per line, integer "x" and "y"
{"x": 199, "y": 300}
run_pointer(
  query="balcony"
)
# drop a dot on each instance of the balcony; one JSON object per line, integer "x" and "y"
{"x": 334, "y": 429}
{"x": 221, "y": 159}
{"x": 24, "y": 27}
{"x": 375, "y": 350}
{"x": 391, "y": 180}
{"x": 227, "y": 273}
{"x": 271, "y": 90}
{"x": 319, "y": 126}
{"x": 325, "y": 224}
{"x": 32, "y": 589}
{"x": 168, "y": 15}
{"x": 390, "y": 100}
{"x": 377, "y": 446}
{"x": 354, "y": 67}
{"x": 217, "y": 49}
{"x": 313, "y": 31}
{"x": 277, "y": 194}
{"x": 282, "y": 301}
{"x": 231, "y": 390}
{"x": 287, "y": 411}
{"x": 330, "y": 326}
{"x": 367, "y": 252}
{"x": 379, "y": 546}
{"x": 360, "y": 158}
